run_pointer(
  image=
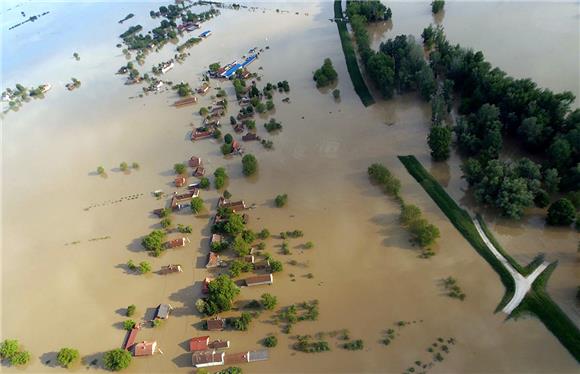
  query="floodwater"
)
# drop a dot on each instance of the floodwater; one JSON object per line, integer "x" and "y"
{"x": 365, "y": 273}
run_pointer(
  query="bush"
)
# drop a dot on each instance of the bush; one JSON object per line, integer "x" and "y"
{"x": 124, "y": 166}
{"x": 101, "y": 170}
{"x": 336, "y": 93}
{"x": 272, "y": 125}
{"x": 409, "y": 214}
{"x": 116, "y": 359}
{"x": 196, "y": 204}
{"x": 66, "y": 356}
{"x": 270, "y": 341}
{"x": 131, "y": 310}
{"x": 9, "y": 348}
{"x": 203, "y": 112}
{"x": 144, "y": 267}
{"x": 437, "y": 6}
{"x": 326, "y": 75}
{"x": 308, "y": 245}
{"x": 276, "y": 266}
{"x": 249, "y": 164}
{"x": 165, "y": 222}
{"x": 269, "y": 105}
{"x": 561, "y": 213}
{"x": 20, "y": 358}
{"x": 204, "y": 183}
{"x": 129, "y": 324}
{"x": 281, "y": 200}
{"x": 241, "y": 323}
{"x": 179, "y": 168}
{"x": 264, "y": 234}
{"x": 354, "y": 345}
{"x": 268, "y": 301}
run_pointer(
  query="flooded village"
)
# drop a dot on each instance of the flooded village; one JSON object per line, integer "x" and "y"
{"x": 201, "y": 205}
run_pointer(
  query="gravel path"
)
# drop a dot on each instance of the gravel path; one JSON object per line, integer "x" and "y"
{"x": 523, "y": 284}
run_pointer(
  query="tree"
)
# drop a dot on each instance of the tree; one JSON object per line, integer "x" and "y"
{"x": 179, "y": 168}
{"x": 227, "y": 195}
{"x": 276, "y": 266}
{"x": 129, "y": 324}
{"x": 542, "y": 199}
{"x": 117, "y": 359}
{"x": 228, "y": 138}
{"x": 268, "y": 301}
{"x": 426, "y": 82}
{"x": 221, "y": 292}
{"x": 423, "y": 232}
{"x": 221, "y": 177}
{"x": 409, "y": 214}
{"x": 101, "y": 170}
{"x": 235, "y": 225}
{"x": 66, "y": 356}
{"x": 240, "y": 246}
{"x": 20, "y": 358}
{"x": 270, "y": 341}
{"x": 203, "y": 111}
{"x": 8, "y": 348}
{"x": 214, "y": 67}
{"x": 551, "y": 180}
{"x": 249, "y": 164}
{"x": 144, "y": 267}
{"x": 204, "y": 183}
{"x": 381, "y": 69}
{"x": 154, "y": 241}
{"x": 281, "y": 200}
{"x": 336, "y": 93}
{"x": 437, "y": 6}
{"x": 561, "y": 213}
{"x": 196, "y": 205}
{"x": 124, "y": 166}
{"x": 165, "y": 222}
{"x": 130, "y": 310}
{"x": 439, "y": 141}
{"x": 326, "y": 74}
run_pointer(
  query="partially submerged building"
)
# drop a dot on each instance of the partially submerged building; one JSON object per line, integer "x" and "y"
{"x": 207, "y": 359}
{"x": 259, "y": 280}
{"x": 215, "y": 324}
{"x": 145, "y": 348}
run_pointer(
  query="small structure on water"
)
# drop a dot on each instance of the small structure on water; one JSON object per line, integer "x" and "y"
{"x": 169, "y": 269}
{"x": 163, "y": 311}
{"x": 205, "y": 34}
{"x": 203, "y": 89}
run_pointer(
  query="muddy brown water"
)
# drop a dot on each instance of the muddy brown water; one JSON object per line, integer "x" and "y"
{"x": 366, "y": 274}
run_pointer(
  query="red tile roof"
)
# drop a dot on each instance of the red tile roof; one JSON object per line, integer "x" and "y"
{"x": 198, "y": 344}
{"x": 145, "y": 348}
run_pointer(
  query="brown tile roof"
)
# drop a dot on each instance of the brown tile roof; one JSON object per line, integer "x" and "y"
{"x": 259, "y": 279}
{"x": 199, "y": 343}
{"x": 145, "y": 348}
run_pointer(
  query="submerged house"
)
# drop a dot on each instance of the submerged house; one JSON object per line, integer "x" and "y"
{"x": 145, "y": 348}
{"x": 203, "y": 89}
{"x": 219, "y": 344}
{"x": 169, "y": 269}
{"x": 205, "y": 285}
{"x": 131, "y": 337}
{"x": 250, "y": 136}
{"x": 195, "y": 161}
{"x": 213, "y": 260}
{"x": 202, "y": 133}
{"x": 207, "y": 359}
{"x": 259, "y": 280}
{"x": 199, "y": 171}
{"x": 183, "y": 102}
{"x": 175, "y": 243}
{"x": 235, "y": 206}
{"x": 180, "y": 181}
{"x": 163, "y": 311}
{"x": 199, "y": 343}
{"x": 216, "y": 324}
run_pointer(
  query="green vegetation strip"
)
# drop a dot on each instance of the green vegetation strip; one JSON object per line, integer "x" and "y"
{"x": 350, "y": 55}
{"x": 537, "y": 301}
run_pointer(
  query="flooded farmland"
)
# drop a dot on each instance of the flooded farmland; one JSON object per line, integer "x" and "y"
{"x": 61, "y": 287}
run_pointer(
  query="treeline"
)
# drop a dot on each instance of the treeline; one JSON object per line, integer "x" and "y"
{"x": 495, "y": 106}
{"x": 422, "y": 232}
{"x": 399, "y": 65}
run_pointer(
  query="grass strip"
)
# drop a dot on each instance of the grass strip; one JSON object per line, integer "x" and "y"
{"x": 356, "y": 77}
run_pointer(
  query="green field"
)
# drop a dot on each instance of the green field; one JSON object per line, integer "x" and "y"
{"x": 350, "y": 55}
{"x": 537, "y": 301}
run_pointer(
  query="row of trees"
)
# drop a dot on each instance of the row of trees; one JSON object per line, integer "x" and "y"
{"x": 422, "y": 232}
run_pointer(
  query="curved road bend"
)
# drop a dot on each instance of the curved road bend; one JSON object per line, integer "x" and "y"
{"x": 523, "y": 284}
